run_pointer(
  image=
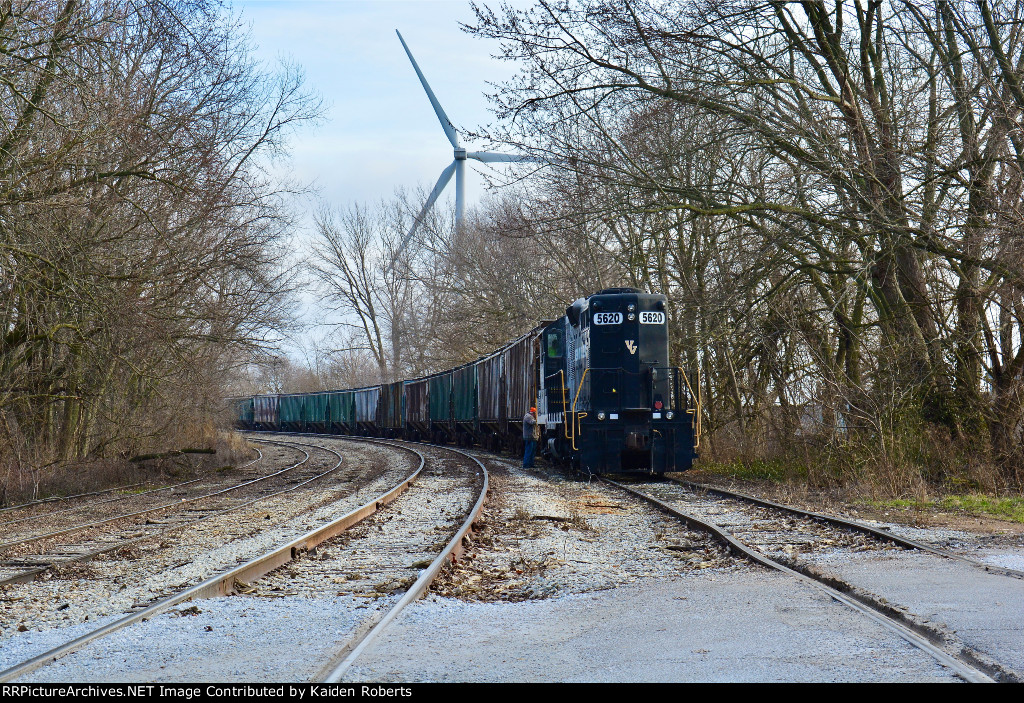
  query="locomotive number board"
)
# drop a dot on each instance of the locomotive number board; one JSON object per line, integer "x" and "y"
{"x": 607, "y": 318}
{"x": 652, "y": 318}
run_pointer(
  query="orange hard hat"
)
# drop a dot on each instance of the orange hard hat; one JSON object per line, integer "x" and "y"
{"x": 533, "y": 410}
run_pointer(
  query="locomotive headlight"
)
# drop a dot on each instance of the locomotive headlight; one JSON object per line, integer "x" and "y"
{"x": 631, "y": 316}
{"x": 600, "y": 416}
{"x": 631, "y": 307}
{"x": 669, "y": 415}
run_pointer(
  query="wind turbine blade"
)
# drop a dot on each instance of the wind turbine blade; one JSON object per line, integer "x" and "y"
{"x": 489, "y": 157}
{"x": 446, "y": 175}
{"x": 446, "y": 124}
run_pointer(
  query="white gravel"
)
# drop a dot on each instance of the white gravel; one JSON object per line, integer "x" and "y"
{"x": 110, "y": 586}
{"x": 928, "y": 535}
{"x": 543, "y": 536}
{"x": 231, "y": 639}
{"x": 1007, "y": 560}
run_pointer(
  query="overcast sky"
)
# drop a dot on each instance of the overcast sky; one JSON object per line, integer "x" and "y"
{"x": 380, "y": 131}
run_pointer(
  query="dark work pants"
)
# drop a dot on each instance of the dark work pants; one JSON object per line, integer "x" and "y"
{"x": 529, "y": 451}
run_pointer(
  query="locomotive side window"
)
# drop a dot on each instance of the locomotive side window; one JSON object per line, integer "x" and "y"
{"x": 555, "y": 344}
{"x": 607, "y": 318}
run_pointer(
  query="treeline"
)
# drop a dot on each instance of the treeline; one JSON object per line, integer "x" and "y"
{"x": 829, "y": 193}
{"x": 140, "y": 226}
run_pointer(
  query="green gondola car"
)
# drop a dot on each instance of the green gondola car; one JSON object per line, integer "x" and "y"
{"x": 441, "y": 398}
{"x": 314, "y": 412}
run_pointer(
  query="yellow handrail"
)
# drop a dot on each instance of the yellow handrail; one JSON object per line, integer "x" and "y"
{"x": 565, "y": 403}
{"x": 695, "y": 411}
{"x": 700, "y": 415}
{"x": 578, "y": 389}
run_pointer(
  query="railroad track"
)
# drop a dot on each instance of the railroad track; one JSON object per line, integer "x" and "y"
{"x": 396, "y": 558}
{"x": 843, "y": 524}
{"x": 774, "y": 538}
{"x": 183, "y": 513}
{"x": 127, "y": 494}
{"x": 123, "y": 507}
{"x": 238, "y": 579}
{"x": 65, "y": 499}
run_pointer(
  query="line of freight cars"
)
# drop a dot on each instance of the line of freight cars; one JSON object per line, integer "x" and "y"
{"x": 482, "y": 402}
{"x": 607, "y": 399}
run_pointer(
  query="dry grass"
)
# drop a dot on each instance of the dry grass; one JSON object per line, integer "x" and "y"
{"x": 23, "y": 479}
{"x": 918, "y": 462}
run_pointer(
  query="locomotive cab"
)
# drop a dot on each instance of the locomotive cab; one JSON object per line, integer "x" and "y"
{"x": 609, "y": 390}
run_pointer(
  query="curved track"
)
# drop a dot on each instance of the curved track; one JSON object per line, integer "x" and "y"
{"x": 846, "y": 524}
{"x": 53, "y": 534}
{"x": 378, "y": 623}
{"x": 965, "y": 665}
{"x": 26, "y": 567}
{"x": 223, "y": 583}
{"x": 115, "y": 499}
{"x": 64, "y": 499}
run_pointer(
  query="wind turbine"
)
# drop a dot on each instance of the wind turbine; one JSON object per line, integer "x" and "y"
{"x": 457, "y": 166}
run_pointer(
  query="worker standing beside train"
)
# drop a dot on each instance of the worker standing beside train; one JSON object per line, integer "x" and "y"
{"x": 531, "y": 434}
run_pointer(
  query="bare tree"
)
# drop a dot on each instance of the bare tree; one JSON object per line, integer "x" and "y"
{"x": 140, "y": 228}
{"x": 834, "y": 189}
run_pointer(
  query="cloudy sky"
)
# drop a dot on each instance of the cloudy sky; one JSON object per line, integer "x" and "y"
{"x": 380, "y": 131}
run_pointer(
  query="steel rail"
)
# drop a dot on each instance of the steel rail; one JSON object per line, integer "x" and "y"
{"x": 225, "y": 583}
{"x": 452, "y": 550}
{"x": 965, "y": 670}
{"x": 184, "y": 501}
{"x": 853, "y": 525}
{"x": 29, "y": 575}
{"x": 52, "y": 499}
{"x": 40, "y": 516}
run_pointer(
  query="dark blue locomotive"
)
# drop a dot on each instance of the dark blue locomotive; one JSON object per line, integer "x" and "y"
{"x": 608, "y": 400}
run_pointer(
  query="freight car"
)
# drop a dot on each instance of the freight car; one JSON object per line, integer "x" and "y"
{"x": 607, "y": 397}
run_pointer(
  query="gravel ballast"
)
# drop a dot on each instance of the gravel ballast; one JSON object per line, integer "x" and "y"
{"x": 561, "y": 581}
{"x": 116, "y": 583}
{"x": 213, "y": 640}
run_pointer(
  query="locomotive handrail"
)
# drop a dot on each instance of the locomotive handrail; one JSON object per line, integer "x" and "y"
{"x": 695, "y": 411}
{"x": 580, "y": 388}
{"x": 565, "y": 404}
{"x": 565, "y": 401}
